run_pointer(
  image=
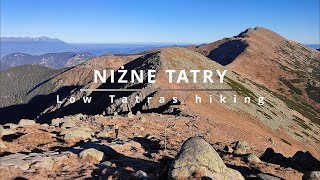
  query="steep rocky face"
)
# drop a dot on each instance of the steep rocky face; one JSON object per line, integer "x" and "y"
{"x": 285, "y": 68}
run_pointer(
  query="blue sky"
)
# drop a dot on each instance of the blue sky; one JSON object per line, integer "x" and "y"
{"x": 179, "y": 21}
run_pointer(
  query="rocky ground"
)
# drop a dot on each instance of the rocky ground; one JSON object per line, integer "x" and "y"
{"x": 147, "y": 148}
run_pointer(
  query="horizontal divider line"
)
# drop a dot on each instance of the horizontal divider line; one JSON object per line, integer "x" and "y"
{"x": 154, "y": 89}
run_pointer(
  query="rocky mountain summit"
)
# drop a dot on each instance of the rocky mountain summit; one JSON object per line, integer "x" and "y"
{"x": 285, "y": 68}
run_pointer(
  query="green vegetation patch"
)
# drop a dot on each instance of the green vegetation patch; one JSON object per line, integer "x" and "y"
{"x": 292, "y": 88}
{"x": 241, "y": 90}
{"x": 285, "y": 141}
{"x": 301, "y": 122}
{"x": 313, "y": 92}
{"x": 265, "y": 114}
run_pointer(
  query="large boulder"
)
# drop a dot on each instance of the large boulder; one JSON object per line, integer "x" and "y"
{"x": 92, "y": 154}
{"x": 26, "y": 122}
{"x": 77, "y": 133}
{"x": 252, "y": 158}
{"x": 196, "y": 156}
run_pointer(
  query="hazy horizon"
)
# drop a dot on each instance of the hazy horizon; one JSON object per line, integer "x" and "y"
{"x": 189, "y": 22}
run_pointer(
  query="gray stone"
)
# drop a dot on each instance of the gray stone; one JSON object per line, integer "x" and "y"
{"x": 4, "y": 132}
{"x": 68, "y": 123}
{"x": 228, "y": 149}
{"x": 106, "y": 164}
{"x": 11, "y": 125}
{"x": 136, "y": 125}
{"x": 240, "y": 147}
{"x": 104, "y": 134}
{"x": 130, "y": 115}
{"x": 46, "y": 163}
{"x": 92, "y": 154}
{"x": 56, "y": 122}
{"x": 262, "y": 176}
{"x": 15, "y": 161}
{"x": 252, "y": 158}
{"x": 140, "y": 175}
{"x": 313, "y": 175}
{"x": 81, "y": 133}
{"x": 198, "y": 156}
{"x": 26, "y": 122}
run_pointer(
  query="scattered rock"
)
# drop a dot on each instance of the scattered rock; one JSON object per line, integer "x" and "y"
{"x": 77, "y": 133}
{"x": 26, "y": 122}
{"x": 92, "y": 154}
{"x": 252, "y": 158}
{"x": 4, "y": 132}
{"x": 68, "y": 123}
{"x": 56, "y": 122}
{"x": 240, "y": 147}
{"x": 136, "y": 125}
{"x": 15, "y": 161}
{"x": 313, "y": 175}
{"x": 228, "y": 149}
{"x": 105, "y": 164}
{"x": 46, "y": 163}
{"x": 2, "y": 145}
{"x": 263, "y": 176}
{"x": 198, "y": 156}
{"x": 107, "y": 132}
{"x": 270, "y": 140}
{"x": 142, "y": 119}
{"x": 130, "y": 115}
{"x": 11, "y": 125}
{"x": 127, "y": 146}
{"x": 80, "y": 117}
{"x": 140, "y": 175}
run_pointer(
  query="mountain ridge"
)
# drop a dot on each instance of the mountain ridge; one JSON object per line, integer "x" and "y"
{"x": 53, "y": 60}
{"x": 287, "y": 68}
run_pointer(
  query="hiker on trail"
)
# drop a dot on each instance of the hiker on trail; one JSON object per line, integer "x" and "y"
{"x": 116, "y": 130}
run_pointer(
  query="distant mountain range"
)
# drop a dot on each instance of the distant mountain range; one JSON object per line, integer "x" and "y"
{"x": 42, "y": 45}
{"x": 52, "y": 60}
